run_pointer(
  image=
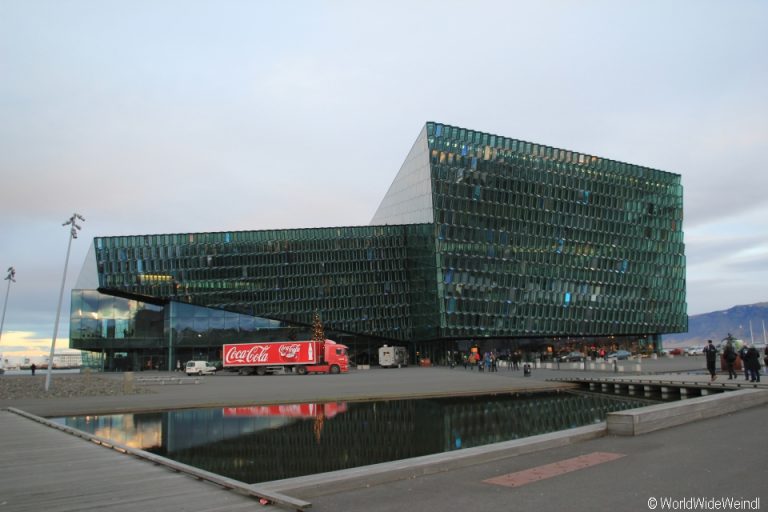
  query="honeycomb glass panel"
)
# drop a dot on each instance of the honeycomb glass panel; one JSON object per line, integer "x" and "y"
{"x": 479, "y": 236}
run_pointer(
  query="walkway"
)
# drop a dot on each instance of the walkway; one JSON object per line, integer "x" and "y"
{"x": 44, "y": 469}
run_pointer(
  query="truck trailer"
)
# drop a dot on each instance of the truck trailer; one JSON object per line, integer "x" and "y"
{"x": 301, "y": 357}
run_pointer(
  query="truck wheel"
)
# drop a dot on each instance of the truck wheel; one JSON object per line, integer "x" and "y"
{"x": 261, "y": 371}
{"x": 335, "y": 369}
{"x": 301, "y": 370}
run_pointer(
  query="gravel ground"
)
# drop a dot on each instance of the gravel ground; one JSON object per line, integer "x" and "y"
{"x": 14, "y": 387}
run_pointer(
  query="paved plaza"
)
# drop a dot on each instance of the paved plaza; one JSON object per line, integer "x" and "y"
{"x": 716, "y": 458}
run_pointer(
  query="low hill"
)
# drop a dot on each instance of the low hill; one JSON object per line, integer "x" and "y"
{"x": 716, "y": 326}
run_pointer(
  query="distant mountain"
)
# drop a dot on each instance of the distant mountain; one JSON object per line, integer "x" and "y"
{"x": 716, "y": 326}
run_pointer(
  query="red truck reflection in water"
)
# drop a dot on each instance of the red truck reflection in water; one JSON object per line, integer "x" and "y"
{"x": 308, "y": 410}
{"x": 318, "y": 412}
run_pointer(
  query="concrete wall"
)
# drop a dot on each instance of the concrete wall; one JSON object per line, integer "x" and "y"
{"x": 655, "y": 417}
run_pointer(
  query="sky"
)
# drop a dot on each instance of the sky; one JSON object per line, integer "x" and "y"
{"x": 170, "y": 116}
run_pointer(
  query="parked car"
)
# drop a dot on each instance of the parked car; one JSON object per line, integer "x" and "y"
{"x": 620, "y": 355}
{"x": 678, "y": 351}
{"x": 695, "y": 351}
{"x": 199, "y": 368}
{"x": 573, "y": 357}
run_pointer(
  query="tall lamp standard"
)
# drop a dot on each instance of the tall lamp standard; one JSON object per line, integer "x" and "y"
{"x": 11, "y": 278}
{"x": 72, "y": 234}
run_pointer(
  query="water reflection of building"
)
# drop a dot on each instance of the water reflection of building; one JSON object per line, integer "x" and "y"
{"x": 257, "y": 444}
{"x": 480, "y": 239}
{"x": 375, "y": 432}
{"x": 477, "y": 423}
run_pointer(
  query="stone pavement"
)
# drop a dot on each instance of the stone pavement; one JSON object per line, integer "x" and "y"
{"x": 717, "y": 457}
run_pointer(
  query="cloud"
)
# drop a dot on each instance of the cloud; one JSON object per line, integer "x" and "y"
{"x": 27, "y": 343}
{"x": 182, "y": 116}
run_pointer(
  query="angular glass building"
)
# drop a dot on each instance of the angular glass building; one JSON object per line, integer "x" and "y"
{"x": 481, "y": 240}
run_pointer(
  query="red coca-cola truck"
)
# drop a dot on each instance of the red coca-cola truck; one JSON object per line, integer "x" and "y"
{"x": 301, "y": 357}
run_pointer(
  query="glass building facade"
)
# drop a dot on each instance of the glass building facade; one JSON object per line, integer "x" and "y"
{"x": 480, "y": 239}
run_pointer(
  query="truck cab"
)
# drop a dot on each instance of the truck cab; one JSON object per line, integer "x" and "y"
{"x": 334, "y": 359}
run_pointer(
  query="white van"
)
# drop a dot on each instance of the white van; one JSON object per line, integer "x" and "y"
{"x": 199, "y": 368}
{"x": 389, "y": 357}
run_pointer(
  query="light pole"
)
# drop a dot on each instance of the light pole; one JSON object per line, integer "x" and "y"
{"x": 11, "y": 278}
{"x": 72, "y": 234}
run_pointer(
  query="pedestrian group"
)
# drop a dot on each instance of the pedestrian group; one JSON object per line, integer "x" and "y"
{"x": 749, "y": 355}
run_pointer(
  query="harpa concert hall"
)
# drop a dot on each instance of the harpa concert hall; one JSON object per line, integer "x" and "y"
{"x": 481, "y": 241}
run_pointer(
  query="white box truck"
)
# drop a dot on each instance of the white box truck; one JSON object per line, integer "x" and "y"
{"x": 393, "y": 357}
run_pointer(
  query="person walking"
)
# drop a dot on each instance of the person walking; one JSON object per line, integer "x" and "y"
{"x": 730, "y": 359}
{"x": 765, "y": 360}
{"x": 711, "y": 352}
{"x": 752, "y": 364}
{"x": 743, "y": 356}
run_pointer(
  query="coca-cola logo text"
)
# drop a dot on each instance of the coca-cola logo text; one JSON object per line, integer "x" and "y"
{"x": 289, "y": 351}
{"x": 250, "y": 355}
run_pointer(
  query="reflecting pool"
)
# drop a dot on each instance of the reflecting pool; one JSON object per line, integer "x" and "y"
{"x": 269, "y": 442}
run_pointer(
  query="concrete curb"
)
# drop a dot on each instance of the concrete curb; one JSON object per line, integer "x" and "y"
{"x": 655, "y": 417}
{"x": 376, "y": 474}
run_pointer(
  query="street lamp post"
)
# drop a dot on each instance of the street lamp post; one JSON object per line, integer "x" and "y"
{"x": 11, "y": 278}
{"x": 72, "y": 234}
